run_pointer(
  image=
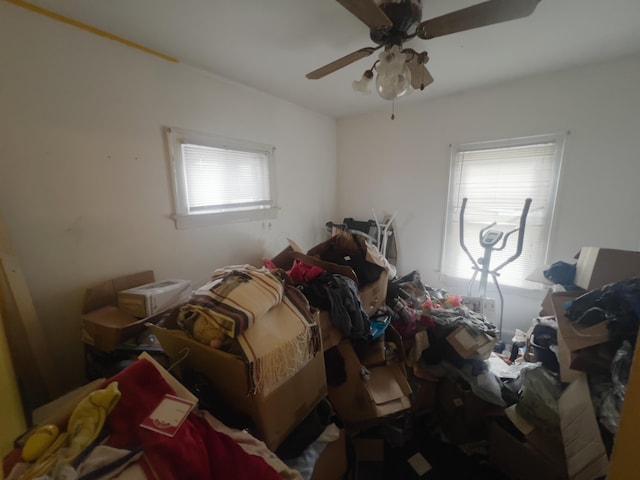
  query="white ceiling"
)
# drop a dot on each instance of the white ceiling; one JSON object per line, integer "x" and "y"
{"x": 271, "y": 44}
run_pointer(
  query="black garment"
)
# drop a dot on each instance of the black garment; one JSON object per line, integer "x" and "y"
{"x": 339, "y": 295}
{"x": 617, "y": 303}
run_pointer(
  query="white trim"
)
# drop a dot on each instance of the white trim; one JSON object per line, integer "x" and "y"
{"x": 184, "y": 218}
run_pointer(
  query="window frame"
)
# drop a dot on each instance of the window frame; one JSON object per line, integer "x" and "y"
{"x": 560, "y": 139}
{"x": 176, "y": 137}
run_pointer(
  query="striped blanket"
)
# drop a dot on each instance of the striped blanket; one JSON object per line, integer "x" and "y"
{"x": 234, "y": 298}
{"x": 255, "y": 309}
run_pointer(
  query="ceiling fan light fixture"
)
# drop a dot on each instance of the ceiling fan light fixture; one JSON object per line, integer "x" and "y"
{"x": 394, "y": 77}
{"x": 362, "y": 85}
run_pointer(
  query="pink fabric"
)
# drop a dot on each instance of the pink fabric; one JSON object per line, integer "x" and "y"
{"x": 197, "y": 451}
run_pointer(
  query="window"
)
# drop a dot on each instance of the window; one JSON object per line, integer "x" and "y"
{"x": 496, "y": 178}
{"x": 220, "y": 179}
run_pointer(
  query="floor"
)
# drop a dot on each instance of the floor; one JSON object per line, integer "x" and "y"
{"x": 412, "y": 435}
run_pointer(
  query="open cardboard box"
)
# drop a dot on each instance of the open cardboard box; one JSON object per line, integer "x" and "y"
{"x": 597, "y": 267}
{"x": 584, "y": 449}
{"x": 373, "y": 393}
{"x": 372, "y": 295}
{"x": 104, "y": 326}
{"x": 276, "y": 412}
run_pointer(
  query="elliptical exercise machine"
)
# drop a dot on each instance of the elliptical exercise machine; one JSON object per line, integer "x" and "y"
{"x": 488, "y": 240}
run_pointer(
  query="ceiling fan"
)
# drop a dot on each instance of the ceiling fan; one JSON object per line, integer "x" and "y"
{"x": 392, "y": 22}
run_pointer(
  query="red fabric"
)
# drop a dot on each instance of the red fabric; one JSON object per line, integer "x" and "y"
{"x": 197, "y": 451}
{"x": 299, "y": 271}
{"x": 303, "y": 272}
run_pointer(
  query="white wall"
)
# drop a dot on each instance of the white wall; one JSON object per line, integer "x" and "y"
{"x": 85, "y": 185}
{"x": 403, "y": 164}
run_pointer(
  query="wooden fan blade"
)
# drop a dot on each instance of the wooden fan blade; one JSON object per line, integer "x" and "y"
{"x": 341, "y": 62}
{"x": 367, "y": 12}
{"x": 420, "y": 76}
{"x": 486, "y": 13}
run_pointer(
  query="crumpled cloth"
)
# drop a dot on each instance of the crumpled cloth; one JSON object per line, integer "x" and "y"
{"x": 340, "y": 296}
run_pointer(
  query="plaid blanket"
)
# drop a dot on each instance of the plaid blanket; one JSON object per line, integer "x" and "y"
{"x": 256, "y": 310}
{"x": 234, "y": 298}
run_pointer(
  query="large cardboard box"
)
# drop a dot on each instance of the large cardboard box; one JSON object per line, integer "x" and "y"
{"x": 104, "y": 326}
{"x": 519, "y": 459}
{"x": 584, "y": 449}
{"x": 373, "y": 393}
{"x": 547, "y": 443}
{"x": 275, "y": 412}
{"x": 597, "y": 267}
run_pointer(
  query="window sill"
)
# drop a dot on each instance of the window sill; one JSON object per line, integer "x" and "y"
{"x": 460, "y": 286}
{"x": 210, "y": 219}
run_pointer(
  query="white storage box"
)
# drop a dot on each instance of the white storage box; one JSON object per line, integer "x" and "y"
{"x": 152, "y": 298}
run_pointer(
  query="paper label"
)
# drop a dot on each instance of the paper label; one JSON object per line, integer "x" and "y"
{"x": 419, "y": 464}
{"x": 167, "y": 417}
{"x": 465, "y": 339}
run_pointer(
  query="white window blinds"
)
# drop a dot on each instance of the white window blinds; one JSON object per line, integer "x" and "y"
{"x": 223, "y": 179}
{"x": 496, "y": 178}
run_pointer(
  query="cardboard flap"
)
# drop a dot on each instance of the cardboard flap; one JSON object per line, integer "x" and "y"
{"x": 384, "y": 385}
{"x": 346, "y": 242}
{"x": 111, "y": 316}
{"x": 106, "y": 293}
{"x": 584, "y": 449}
{"x": 575, "y": 336}
{"x": 518, "y": 420}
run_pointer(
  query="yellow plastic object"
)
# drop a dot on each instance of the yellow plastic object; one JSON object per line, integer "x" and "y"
{"x": 39, "y": 441}
{"x": 85, "y": 423}
{"x": 88, "y": 418}
{"x": 46, "y": 461}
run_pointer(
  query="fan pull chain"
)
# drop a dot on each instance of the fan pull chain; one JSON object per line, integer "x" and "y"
{"x": 393, "y": 109}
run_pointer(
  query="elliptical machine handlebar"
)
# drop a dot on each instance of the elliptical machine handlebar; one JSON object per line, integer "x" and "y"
{"x": 520, "y": 230}
{"x": 462, "y": 244}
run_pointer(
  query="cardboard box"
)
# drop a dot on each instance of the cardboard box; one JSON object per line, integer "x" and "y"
{"x": 597, "y": 267}
{"x": 275, "y": 413}
{"x": 548, "y": 444}
{"x": 485, "y": 306}
{"x": 332, "y": 462}
{"x": 372, "y": 354}
{"x": 372, "y": 296}
{"x": 455, "y": 400}
{"x": 370, "y": 394}
{"x": 146, "y": 300}
{"x": 104, "y": 326}
{"x": 331, "y": 336}
{"x": 519, "y": 459}
{"x": 469, "y": 343}
{"x": 584, "y": 449}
